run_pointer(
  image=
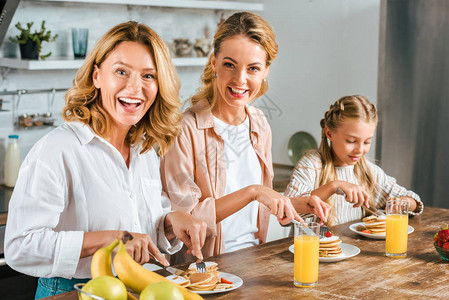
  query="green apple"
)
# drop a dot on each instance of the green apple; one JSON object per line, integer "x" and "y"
{"x": 105, "y": 286}
{"x": 162, "y": 290}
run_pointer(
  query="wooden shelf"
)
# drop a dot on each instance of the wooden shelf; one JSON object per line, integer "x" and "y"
{"x": 224, "y": 5}
{"x": 67, "y": 63}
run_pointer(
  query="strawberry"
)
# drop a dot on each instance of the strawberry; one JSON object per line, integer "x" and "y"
{"x": 328, "y": 234}
{"x": 442, "y": 237}
{"x": 222, "y": 280}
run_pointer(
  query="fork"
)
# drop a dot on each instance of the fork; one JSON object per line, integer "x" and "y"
{"x": 200, "y": 266}
{"x": 323, "y": 230}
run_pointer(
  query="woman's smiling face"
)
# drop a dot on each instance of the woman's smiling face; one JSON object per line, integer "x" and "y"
{"x": 127, "y": 80}
{"x": 240, "y": 67}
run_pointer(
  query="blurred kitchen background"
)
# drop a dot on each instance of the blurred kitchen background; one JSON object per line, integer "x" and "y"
{"x": 392, "y": 51}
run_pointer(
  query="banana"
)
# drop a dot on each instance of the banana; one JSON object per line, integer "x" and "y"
{"x": 137, "y": 277}
{"x": 101, "y": 261}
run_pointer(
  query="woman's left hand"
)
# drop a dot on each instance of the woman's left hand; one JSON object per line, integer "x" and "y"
{"x": 313, "y": 205}
{"x": 191, "y": 231}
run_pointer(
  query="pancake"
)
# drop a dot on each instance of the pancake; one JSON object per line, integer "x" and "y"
{"x": 375, "y": 224}
{"x": 208, "y": 281}
{"x": 330, "y": 246}
{"x": 203, "y": 282}
{"x": 211, "y": 268}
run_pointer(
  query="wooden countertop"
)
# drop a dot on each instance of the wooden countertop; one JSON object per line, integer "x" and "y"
{"x": 267, "y": 270}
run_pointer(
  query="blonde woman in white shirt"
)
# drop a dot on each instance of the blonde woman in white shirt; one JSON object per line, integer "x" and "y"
{"x": 340, "y": 165}
{"x": 98, "y": 174}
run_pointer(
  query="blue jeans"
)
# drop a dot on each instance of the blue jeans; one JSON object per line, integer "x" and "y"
{"x": 47, "y": 287}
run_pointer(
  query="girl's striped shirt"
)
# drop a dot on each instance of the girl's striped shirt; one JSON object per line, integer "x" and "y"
{"x": 305, "y": 179}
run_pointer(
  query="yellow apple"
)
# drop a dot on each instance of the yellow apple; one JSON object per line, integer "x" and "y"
{"x": 162, "y": 290}
{"x": 105, "y": 286}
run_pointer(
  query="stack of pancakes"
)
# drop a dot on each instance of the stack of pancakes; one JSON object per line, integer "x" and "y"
{"x": 330, "y": 246}
{"x": 208, "y": 281}
{"x": 203, "y": 282}
{"x": 375, "y": 224}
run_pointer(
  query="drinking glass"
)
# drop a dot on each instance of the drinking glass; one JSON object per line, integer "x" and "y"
{"x": 397, "y": 228}
{"x": 306, "y": 261}
{"x": 79, "y": 42}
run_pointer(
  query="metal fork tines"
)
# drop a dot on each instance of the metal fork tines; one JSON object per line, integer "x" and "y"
{"x": 200, "y": 266}
{"x": 323, "y": 230}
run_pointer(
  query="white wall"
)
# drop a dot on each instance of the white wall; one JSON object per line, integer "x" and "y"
{"x": 327, "y": 49}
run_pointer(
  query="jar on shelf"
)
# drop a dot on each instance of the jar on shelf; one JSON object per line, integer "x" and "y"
{"x": 25, "y": 120}
{"x": 48, "y": 119}
{"x": 38, "y": 120}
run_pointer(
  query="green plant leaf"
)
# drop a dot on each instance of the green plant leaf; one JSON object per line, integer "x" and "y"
{"x": 37, "y": 36}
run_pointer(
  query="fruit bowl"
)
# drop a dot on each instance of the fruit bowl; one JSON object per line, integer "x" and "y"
{"x": 85, "y": 295}
{"x": 444, "y": 253}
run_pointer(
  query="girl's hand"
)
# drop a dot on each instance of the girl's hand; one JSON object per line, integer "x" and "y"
{"x": 313, "y": 205}
{"x": 142, "y": 248}
{"x": 191, "y": 231}
{"x": 354, "y": 193}
{"x": 279, "y": 205}
{"x": 411, "y": 202}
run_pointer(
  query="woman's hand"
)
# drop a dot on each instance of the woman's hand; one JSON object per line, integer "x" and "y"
{"x": 191, "y": 231}
{"x": 311, "y": 205}
{"x": 354, "y": 193}
{"x": 142, "y": 248}
{"x": 279, "y": 205}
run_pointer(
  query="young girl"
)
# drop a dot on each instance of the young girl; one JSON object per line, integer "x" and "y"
{"x": 340, "y": 165}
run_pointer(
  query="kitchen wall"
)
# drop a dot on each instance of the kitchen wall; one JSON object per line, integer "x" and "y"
{"x": 327, "y": 49}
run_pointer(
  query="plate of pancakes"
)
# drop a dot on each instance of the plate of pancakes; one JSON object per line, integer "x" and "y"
{"x": 332, "y": 249}
{"x": 373, "y": 227}
{"x": 210, "y": 282}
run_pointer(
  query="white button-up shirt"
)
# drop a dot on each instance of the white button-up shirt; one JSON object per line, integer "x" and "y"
{"x": 73, "y": 181}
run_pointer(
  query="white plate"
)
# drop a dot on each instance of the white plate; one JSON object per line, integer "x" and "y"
{"x": 236, "y": 281}
{"x": 353, "y": 227}
{"x": 347, "y": 251}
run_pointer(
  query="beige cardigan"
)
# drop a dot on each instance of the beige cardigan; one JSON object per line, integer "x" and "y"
{"x": 193, "y": 172}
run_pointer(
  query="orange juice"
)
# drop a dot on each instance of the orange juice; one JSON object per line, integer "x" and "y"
{"x": 396, "y": 236}
{"x": 306, "y": 260}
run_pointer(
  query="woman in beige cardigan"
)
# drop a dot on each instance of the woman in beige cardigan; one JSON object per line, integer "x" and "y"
{"x": 221, "y": 161}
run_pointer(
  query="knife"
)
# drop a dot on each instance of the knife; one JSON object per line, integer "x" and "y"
{"x": 174, "y": 271}
{"x": 372, "y": 211}
{"x": 169, "y": 269}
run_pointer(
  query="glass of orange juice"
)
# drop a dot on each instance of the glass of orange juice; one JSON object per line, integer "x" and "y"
{"x": 307, "y": 245}
{"x": 397, "y": 228}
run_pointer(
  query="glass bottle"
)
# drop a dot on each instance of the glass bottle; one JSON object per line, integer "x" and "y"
{"x": 12, "y": 161}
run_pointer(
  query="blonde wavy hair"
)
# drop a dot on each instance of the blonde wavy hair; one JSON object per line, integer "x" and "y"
{"x": 245, "y": 24}
{"x": 161, "y": 124}
{"x": 356, "y": 108}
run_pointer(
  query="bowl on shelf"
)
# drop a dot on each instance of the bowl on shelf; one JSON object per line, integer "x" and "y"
{"x": 444, "y": 253}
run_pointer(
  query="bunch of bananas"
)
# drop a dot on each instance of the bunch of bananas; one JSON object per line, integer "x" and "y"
{"x": 132, "y": 274}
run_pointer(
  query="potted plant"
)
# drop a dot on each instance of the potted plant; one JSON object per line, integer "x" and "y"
{"x": 31, "y": 43}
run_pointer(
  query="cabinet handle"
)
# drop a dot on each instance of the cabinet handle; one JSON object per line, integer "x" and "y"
{"x": 2, "y": 262}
